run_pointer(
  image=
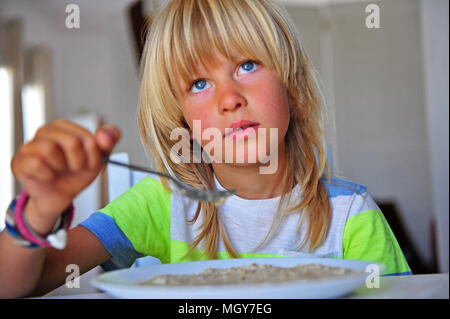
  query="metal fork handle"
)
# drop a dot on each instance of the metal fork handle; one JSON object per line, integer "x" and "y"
{"x": 138, "y": 168}
{"x": 209, "y": 195}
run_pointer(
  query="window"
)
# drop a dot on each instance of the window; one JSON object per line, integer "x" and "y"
{"x": 6, "y": 141}
{"x": 33, "y": 108}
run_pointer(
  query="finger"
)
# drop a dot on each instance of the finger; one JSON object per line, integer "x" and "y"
{"x": 48, "y": 151}
{"x": 107, "y": 137}
{"x": 28, "y": 166}
{"x": 89, "y": 143}
{"x": 70, "y": 143}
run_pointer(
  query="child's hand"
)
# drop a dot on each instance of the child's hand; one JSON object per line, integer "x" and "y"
{"x": 61, "y": 160}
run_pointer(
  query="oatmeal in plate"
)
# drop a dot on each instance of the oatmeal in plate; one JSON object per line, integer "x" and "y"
{"x": 251, "y": 274}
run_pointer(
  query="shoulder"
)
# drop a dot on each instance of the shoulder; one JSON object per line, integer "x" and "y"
{"x": 147, "y": 184}
{"x": 348, "y": 196}
{"x": 337, "y": 186}
{"x": 145, "y": 203}
{"x": 148, "y": 191}
{"x": 142, "y": 214}
{"x": 355, "y": 204}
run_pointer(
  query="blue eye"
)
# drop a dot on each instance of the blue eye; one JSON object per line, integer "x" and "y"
{"x": 199, "y": 85}
{"x": 248, "y": 66}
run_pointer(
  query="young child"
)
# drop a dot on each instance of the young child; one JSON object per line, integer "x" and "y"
{"x": 235, "y": 67}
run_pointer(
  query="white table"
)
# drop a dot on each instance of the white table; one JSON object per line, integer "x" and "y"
{"x": 430, "y": 286}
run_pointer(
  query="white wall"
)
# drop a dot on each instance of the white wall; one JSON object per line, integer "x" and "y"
{"x": 314, "y": 29}
{"x": 380, "y": 110}
{"x": 434, "y": 22}
{"x": 98, "y": 72}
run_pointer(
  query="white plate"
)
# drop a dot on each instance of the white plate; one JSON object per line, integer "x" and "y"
{"x": 122, "y": 283}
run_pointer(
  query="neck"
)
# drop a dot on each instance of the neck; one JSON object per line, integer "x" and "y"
{"x": 249, "y": 182}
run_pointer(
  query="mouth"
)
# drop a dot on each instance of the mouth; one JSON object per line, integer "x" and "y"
{"x": 241, "y": 129}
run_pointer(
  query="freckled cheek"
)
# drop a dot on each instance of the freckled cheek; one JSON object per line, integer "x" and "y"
{"x": 278, "y": 119}
{"x": 198, "y": 114}
{"x": 275, "y": 110}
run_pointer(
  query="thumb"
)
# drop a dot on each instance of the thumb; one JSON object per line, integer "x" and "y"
{"x": 107, "y": 137}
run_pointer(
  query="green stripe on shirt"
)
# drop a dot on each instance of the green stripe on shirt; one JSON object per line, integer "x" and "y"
{"x": 143, "y": 215}
{"x": 368, "y": 237}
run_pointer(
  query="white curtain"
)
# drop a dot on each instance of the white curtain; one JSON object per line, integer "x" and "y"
{"x": 11, "y": 78}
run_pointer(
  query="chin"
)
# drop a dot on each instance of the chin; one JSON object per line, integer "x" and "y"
{"x": 248, "y": 153}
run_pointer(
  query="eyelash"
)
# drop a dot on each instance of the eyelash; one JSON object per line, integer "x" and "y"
{"x": 240, "y": 65}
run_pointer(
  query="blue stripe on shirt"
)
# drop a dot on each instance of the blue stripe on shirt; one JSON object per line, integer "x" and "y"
{"x": 116, "y": 243}
{"x": 341, "y": 187}
{"x": 398, "y": 274}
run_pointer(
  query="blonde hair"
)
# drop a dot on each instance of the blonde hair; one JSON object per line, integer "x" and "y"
{"x": 260, "y": 30}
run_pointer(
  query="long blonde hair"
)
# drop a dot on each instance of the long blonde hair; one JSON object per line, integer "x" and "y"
{"x": 183, "y": 36}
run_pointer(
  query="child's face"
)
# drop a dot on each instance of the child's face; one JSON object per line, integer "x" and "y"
{"x": 234, "y": 91}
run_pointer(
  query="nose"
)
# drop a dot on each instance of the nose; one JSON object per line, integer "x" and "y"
{"x": 231, "y": 97}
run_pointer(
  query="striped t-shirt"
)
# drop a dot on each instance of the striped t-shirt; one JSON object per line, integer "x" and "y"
{"x": 148, "y": 220}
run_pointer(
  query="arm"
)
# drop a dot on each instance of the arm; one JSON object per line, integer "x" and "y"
{"x": 83, "y": 249}
{"x": 37, "y": 272}
{"x": 53, "y": 168}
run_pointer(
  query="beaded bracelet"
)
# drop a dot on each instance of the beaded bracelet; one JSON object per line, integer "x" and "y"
{"x": 18, "y": 227}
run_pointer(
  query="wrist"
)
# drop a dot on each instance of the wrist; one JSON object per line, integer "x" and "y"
{"x": 41, "y": 223}
{"x": 19, "y": 227}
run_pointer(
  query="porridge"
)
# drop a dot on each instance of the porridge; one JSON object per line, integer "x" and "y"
{"x": 252, "y": 274}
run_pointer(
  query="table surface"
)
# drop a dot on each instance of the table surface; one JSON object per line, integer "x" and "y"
{"x": 429, "y": 286}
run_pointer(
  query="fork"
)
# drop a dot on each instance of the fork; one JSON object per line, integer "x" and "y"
{"x": 200, "y": 195}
